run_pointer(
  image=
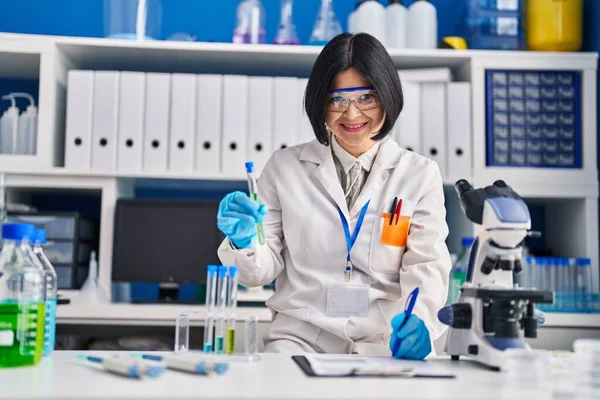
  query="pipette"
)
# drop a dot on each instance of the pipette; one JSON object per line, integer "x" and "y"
{"x": 125, "y": 366}
{"x": 189, "y": 363}
{"x": 231, "y": 308}
{"x": 211, "y": 289}
{"x": 221, "y": 300}
{"x": 253, "y": 190}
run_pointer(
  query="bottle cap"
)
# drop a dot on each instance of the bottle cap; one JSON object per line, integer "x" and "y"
{"x": 233, "y": 271}
{"x": 212, "y": 270}
{"x": 40, "y": 236}
{"x": 395, "y": 2}
{"x": 222, "y": 271}
{"x": 16, "y": 231}
{"x": 582, "y": 262}
{"x": 249, "y": 167}
{"x": 467, "y": 241}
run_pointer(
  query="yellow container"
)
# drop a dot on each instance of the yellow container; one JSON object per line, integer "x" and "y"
{"x": 554, "y": 25}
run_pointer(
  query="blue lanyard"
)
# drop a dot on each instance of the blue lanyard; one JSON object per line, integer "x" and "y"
{"x": 350, "y": 239}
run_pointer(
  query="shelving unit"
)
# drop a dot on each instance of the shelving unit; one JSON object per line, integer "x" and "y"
{"x": 570, "y": 196}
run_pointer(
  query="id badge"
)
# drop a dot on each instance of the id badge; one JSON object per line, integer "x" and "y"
{"x": 347, "y": 299}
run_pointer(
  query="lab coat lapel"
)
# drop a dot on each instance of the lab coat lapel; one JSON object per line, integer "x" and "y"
{"x": 387, "y": 157}
{"x": 326, "y": 173}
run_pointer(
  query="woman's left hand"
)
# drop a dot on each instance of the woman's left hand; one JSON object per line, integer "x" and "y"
{"x": 409, "y": 340}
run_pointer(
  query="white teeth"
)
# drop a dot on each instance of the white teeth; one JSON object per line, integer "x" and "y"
{"x": 353, "y": 126}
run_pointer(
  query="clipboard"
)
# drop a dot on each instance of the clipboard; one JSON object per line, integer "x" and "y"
{"x": 305, "y": 366}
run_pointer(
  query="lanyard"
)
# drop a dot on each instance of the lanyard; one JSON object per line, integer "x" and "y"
{"x": 350, "y": 239}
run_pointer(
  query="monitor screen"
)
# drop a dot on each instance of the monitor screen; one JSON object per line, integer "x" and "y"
{"x": 164, "y": 240}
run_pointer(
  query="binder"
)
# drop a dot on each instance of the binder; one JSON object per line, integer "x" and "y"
{"x": 286, "y": 114}
{"x": 305, "y": 131}
{"x": 78, "y": 137}
{"x": 433, "y": 123}
{"x": 235, "y": 124}
{"x": 424, "y": 75}
{"x": 106, "y": 118}
{"x": 209, "y": 123}
{"x": 458, "y": 103}
{"x": 183, "y": 123}
{"x": 408, "y": 127}
{"x": 158, "y": 98}
{"x": 260, "y": 121}
{"x": 130, "y": 132}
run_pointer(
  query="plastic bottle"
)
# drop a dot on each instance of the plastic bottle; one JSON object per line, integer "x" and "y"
{"x": 370, "y": 18}
{"x": 395, "y": 25}
{"x": 133, "y": 19}
{"x": 422, "y": 25}
{"x": 90, "y": 292}
{"x": 458, "y": 275}
{"x": 9, "y": 127}
{"x": 250, "y": 26}
{"x": 27, "y": 132}
{"x": 554, "y": 25}
{"x": 352, "y": 18}
{"x": 286, "y": 33}
{"x": 22, "y": 305}
{"x": 326, "y": 27}
{"x": 51, "y": 292}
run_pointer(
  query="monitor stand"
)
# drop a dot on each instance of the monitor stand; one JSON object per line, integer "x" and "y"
{"x": 168, "y": 292}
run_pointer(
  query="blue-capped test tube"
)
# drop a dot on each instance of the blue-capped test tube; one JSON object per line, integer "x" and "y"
{"x": 253, "y": 191}
{"x": 231, "y": 307}
{"x": 221, "y": 299}
{"x": 211, "y": 291}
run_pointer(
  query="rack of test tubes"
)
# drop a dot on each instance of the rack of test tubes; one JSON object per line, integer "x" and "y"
{"x": 219, "y": 320}
{"x": 569, "y": 278}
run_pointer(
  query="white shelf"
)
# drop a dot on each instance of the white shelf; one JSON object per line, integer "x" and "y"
{"x": 565, "y": 320}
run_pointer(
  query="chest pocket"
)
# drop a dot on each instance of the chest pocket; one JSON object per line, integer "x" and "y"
{"x": 388, "y": 242}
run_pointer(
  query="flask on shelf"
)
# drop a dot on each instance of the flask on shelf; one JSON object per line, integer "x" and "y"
{"x": 371, "y": 19}
{"x": 286, "y": 33}
{"x": 327, "y": 26}
{"x": 90, "y": 292}
{"x": 422, "y": 25}
{"x": 395, "y": 25}
{"x": 133, "y": 19}
{"x": 250, "y": 27}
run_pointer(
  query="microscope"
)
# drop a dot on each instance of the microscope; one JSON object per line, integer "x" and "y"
{"x": 491, "y": 310}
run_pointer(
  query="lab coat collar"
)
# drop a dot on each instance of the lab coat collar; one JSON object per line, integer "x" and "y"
{"x": 388, "y": 157}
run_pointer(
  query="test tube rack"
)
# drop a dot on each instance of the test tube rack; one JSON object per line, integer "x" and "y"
{"x": 251, "y": 336}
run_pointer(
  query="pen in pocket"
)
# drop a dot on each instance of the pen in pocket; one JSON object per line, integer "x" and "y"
{"x": 393, "y": 209}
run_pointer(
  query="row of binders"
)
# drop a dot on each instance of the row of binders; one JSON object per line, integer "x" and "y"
{"x": 209, "y": 124}
{"x": 181, "y": 123}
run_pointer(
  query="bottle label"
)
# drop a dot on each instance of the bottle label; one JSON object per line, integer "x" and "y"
{"x": 7, "y": 338}
{"x": 507, "y": 26}
{"x": 50, "y": 327}
{"x": 508, "y": 5}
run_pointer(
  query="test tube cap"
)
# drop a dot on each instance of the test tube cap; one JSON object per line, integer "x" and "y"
{"x": 249, "y": 166}
{"x": 222, "y": 271}
{"x": 17, "y": 231}
{"x": 212, "y": 270}
{"x": 233, "y": 271}
{"x": 40, "y": 236}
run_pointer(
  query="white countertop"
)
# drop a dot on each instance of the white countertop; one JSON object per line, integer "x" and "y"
{"x": 276, "y": 376}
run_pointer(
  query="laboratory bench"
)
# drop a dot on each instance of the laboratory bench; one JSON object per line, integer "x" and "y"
{"x": 275, "y": 376}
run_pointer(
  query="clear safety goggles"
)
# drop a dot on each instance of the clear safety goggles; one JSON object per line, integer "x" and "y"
{"x": 364, "y": 98}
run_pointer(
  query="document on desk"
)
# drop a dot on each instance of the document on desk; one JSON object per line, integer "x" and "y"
{"x": 340, "y": 365}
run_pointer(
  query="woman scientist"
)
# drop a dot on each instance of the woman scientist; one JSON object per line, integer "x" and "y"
{"x": 344, "y": 267}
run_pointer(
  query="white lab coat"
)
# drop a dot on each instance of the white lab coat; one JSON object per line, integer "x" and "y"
{"x": 306, "y": 248}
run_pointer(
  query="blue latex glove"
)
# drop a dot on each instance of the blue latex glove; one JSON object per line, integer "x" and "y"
{"x": 413, "y": 336}
{"x": 237, "y": 218}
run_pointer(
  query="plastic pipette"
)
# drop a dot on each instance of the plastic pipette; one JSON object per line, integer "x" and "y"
{"x": 188, "y": 363}
{"x": 211, "y": 289}
{"x": 253, "y": 190}
{"x": 221, "y": 296}
{"x": 124, "y": 366}
{"x": 231, "y": 307}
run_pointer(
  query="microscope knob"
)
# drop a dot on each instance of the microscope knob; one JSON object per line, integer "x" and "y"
{"x": 458, "y": 315}
{"x": 489, "y": 264}
{"x": 506, "y": 265}
{"x": 500, "y": 183}
{"x": 518, "y": 267}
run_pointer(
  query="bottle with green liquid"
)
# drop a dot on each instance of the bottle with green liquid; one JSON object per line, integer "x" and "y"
{"x": 22, "y": 308}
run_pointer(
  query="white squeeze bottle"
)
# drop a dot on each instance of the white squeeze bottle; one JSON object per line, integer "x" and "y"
{"x": 9, "y": 127}
{"x": 27, "y": 138}
{"x": 395, "y": 25}
{"x": 370, "y": 18}
{"x": 422, "y": 25}
{"x": 352, "y": 18}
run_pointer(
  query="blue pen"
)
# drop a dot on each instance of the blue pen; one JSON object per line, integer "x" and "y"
{"x": 410, "y": 304}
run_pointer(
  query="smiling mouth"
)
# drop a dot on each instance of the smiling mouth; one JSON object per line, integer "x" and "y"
{"x": 353, "y": 127}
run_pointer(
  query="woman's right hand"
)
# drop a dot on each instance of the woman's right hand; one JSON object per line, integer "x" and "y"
{"x": 237, "y": 218}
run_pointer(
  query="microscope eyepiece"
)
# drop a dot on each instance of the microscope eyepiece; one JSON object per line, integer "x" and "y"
{"x": 462, "y": 186}
{"x": 500, "y": 183}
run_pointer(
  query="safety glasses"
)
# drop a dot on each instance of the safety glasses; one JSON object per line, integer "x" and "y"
{"x": 364, "y": 98}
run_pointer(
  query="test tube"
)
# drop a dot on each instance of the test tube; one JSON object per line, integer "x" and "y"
{"x": 251, "y": 339}
{"x": 211, "y": 289}
{"x": 182, "y": 331}
{"x": 253, "y": 190}
{"x": 221, "y": 295}
{"x": 231, "y": 307}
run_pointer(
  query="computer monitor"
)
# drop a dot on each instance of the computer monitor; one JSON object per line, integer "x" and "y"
{"x": 168, "y": 242}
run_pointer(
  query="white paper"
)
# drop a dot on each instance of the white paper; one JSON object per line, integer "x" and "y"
{"x": 345, "y": 364}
